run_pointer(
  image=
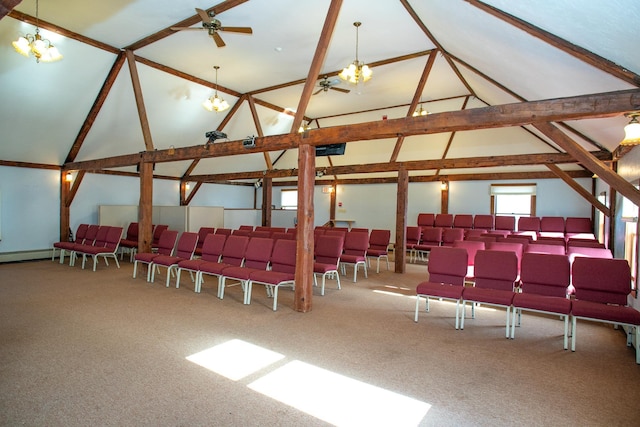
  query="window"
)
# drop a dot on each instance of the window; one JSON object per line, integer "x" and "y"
{"x": 289, "y": 199}
{"x": 513, "y": 199}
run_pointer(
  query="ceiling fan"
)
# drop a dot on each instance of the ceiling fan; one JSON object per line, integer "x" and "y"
{"x": 213, "y": 25}
{"x": 326, "y": 84}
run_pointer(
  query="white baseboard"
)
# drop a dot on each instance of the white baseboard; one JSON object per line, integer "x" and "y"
{"x": 25, "y": 255}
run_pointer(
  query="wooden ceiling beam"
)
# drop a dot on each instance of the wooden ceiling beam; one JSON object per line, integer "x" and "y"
{"x": 579, "y": 189}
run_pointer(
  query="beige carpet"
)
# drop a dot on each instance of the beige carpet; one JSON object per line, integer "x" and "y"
{"x": 82, "y": 348}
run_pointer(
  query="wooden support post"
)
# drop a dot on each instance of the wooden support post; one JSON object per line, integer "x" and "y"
{"x": 444, "y": 197}
{"x": 145, "y": 208}
{"x": 65, "y": 190}
{"x": 267, "y": 201}
{"x": 304, "y": 250}
{"x": 332, "y": 201}
{"x": 399, "y": 252}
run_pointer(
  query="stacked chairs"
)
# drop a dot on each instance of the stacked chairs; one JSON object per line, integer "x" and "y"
{"x": 355, "y": 253}
{"x": 379, "y": 247}
{"x": 256, "y": 257}
{"x": 496, "y": 273}
{"x": 431, "y": 238}
{"x": 211, "y": 252}
{"x": 81, "y": 232}
{"x": 602, "y": 287}
{"x": 281, "y": 274}
{"x": 166, "y": 243}
{"x": 184, "y": 250}
{"x": 232, "y": 255}
{"x": 106, "y": 250}
{"x": 545, "y": 280}
{"x": 327, "y": 259}
{"x": 447, "y": 270}
{"x": 130, "y": 242}
{"x": 202, "y": 234}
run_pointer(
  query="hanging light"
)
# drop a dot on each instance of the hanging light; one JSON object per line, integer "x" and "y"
{"x": 42, "y": 49}
{"x": 303, "y": 128}
{"x": 420, "y": 112}
{"x": 356, "y": 71}
{"x": 632, "y": 130}
{"x": 214, "y": 103}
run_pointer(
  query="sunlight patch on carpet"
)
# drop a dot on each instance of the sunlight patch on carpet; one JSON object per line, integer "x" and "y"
{"x": 235, "y": 359}
{"x": 337, "y": 399}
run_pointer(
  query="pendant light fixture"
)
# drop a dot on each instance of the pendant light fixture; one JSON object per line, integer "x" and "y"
{"x": 632, "y": 130}
{"x": 42, "y": 49}
{"x": 214, "y": 103}
{"x": 357, "y": 71}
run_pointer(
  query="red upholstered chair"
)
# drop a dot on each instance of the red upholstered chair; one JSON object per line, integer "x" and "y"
{"x": 246, "y": 227}
{"x": 89, "y": 238}
{"x": 431, "y": 238}
{"x": 232, "y": 255}
{"x": 99, "y": 242}
{"x": 447, "y": 270}
{"x": 130, "y": 241}
{"x": 496, "y": 274}
{"x": 225, "y": 231}
{"x": 505, "y": 223}
{"x": 443, "y": 220}
{"x": 108, "y": 250}
{"x": 578, "y": 227}
{"x": 202, "y": 234}
{"x": 585, "y": 243}
{"x": 580, "y": 251}
{"x": 551, "y": 226}
{"x": 81, "y": 231}
{"x": 528, "y": 226}
{"x": 185, "y": 249}
{"x": 165, "y": 247}
{"x": 240, "y": 232}
{"x": 355, "y": 253}
{"x": 484, "y": 222}
{"x": 602, "y": 287}
{"x": 544, "y": 280}
{"x": 463, "y": 221}
{"x": 327, "y": 259}
{"x": 360, "y": 230}
{"x": 379, "y": 247}
{"x": 283, "y": 235}
{"x": 256, "y": 257}
{"x": 282, "y": 273}
{"x": 263, "y": 233}
{"x": 211, "y": 252}
{"x": 472, "y": 247}
{"x": 541, "y": 247}
{"x": 426, "y": 220}
{"x": 157, "y": 232}
{"x": 412, "y": 236}
{"x": 514, "y": 247}
{"x": 450, "y": 235}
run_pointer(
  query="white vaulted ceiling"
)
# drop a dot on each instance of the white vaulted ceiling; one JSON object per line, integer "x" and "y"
{"x": 44, "y": 105}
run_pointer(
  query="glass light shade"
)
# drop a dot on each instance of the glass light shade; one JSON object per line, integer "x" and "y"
{"x": 215, "y": 104}
{"x": 356, "y": 72}
{"x": 22, "y": 46}
{"x": 632, "y": 133}
{"x": 52, "y": 54}
{"x": 420, "y": 112}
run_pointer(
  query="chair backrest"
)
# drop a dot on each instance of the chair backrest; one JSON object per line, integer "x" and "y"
{"x": 495, "y": 269}
{"x": 90, "y": 235}
{"x": 545, "y": 248}
{"x": 258, "y": 252}
{"x": 524, "y": 239}
{"x": 379, "y": 239}
{"x": 81, "y": 231}
{"x": 202, "y": 234}
{"x": 505, "y": 222}
{"x": 545, "y": 274}
{"x": 283, "y": 257}
{"x": 212, "y": 247}
{"x": 167, "y": 241}
{"x": 132, "y": 231}
{"x": 246, "y": 227}
{"x": 431, "y": 236}
{"x": 426, "y": 219}
{"x": 471, "y": 246}
{"x": 240, "y": 232}
{"x": 157, "y": 232}
{"x": 412, "y": 235}
{"x": 234, "y": 249}
{"x": 187, "y": 245}
{"x": 601, "y": 280}
{"x": 578, "y": 225}
{"x": 450, "y": 235}
{"x": 514, "y": 247}
{"x": 101, "y": 236}
{"x": 359, "y": 230}
{"x": 356, "y": 244}
{"x": 552, "y": 223}
{"x": 283, "y": 235}
{"x": 483, "y": 222}
{"x": 114, "y": 234}
{"x": 588, "y": 252}
{"x": 585, "y": 243}
{"x": 447, "y": 265}
{"x": 328, "y": 249}
{"x": 529, "y": 223}
{"x": 463, "y": 221}
{"x": 225, "y": 231}
{"x": 340, "y": 233}
{"x": 443, "y": 220}
{"x": 263, "y": 233}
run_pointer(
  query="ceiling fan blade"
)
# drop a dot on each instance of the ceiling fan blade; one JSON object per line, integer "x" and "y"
{"x": 317, "y": 92}
{"x": 186, "y": 28}
{"x": 218, "y": 40}
{"x": 204, "y": 15}
{"x": 244, "y": 30}
{"x": 339, "y": 89}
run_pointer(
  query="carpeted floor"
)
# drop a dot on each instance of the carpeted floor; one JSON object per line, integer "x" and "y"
{"x": 82, "y": 348}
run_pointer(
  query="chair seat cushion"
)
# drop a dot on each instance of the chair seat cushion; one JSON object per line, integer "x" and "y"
{"x": 190, "y": 264}
{"x": 167, "y": 260}
{"x": 129, "y": 243}
{"x": 319, "y": 267}
{"x": 442, "y": 290}
{"x": 352, "y": 259}
{"x": 64, "y": 245}
{"x": 271, "y": 277}
{"x": 376, "y": 252}
{"x": 240, "y": 273}
{"x": 145, "y": 257}
{"x": 93, "y": 250}
{"x": 213, "y": 267}
{"x": 612, "y": 313}
{"x": 489, "y": 296}
{"x": 549, "y": 304}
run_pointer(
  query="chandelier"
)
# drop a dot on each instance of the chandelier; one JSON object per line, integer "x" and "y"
{"x": 356, "y": 71}
{"x": 215, "y": 103}
{"x": 632, "y": 130}
{"x": 420, "y": 112}
{"x": 42, "y": 49}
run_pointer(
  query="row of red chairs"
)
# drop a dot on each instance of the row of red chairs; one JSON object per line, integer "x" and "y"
{"x": 601, "y": 287}
{"x": 90, "y": 241}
